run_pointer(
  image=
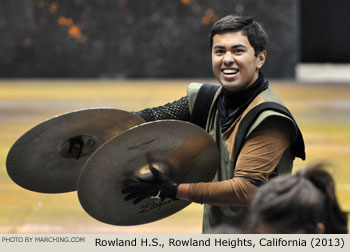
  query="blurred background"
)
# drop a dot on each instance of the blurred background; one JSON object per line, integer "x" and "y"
{"x": 58, "y": 56}
{"x": 159, "y": 38}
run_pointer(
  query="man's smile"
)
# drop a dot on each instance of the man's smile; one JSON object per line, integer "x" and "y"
{"x": 230, "y": 71}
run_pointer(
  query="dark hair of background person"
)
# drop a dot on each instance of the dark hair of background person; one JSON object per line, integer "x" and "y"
{"x": 257, "y": 36}
{"x": 298, "y": 204}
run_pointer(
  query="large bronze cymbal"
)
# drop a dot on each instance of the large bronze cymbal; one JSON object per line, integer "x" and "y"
{"x": 183, "y": 151}
{"x": 49, "y": 157}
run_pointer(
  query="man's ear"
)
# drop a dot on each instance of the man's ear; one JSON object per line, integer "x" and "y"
{"x": 260, "y": 59}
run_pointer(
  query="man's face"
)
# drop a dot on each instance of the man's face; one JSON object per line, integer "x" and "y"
{"x": 233, "y": 61}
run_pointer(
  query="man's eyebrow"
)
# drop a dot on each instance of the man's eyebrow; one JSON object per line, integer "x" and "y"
{"x": 238, "y": 45}
{"x": 219, "y": 47}
{"x": 232, "y": 47}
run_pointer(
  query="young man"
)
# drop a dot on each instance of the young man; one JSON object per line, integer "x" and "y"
{"x": 269, "y": 138}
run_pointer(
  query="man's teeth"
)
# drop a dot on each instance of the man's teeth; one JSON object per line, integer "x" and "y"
{"x": 229, "y": 71}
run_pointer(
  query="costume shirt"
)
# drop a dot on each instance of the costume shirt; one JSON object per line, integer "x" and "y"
{"x": 234, "y": 210}
{"x": 269, "y": 138}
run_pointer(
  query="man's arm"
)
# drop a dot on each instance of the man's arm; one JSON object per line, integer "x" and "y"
{"x": 259, "y": 156}
{"x": 177, "y": 110}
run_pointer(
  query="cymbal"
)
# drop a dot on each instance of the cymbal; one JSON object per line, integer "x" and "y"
{"x": 49, "y": 157}
{"x": 183, "y": 151}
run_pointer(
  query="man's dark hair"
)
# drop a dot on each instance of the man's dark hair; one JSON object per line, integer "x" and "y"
{"x": 257, "y": 36}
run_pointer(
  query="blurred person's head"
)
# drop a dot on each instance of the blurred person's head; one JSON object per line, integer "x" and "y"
{"x": 225, "y": 228}
{"x": 238, "y": 49}
{"x": 303, "y": 203}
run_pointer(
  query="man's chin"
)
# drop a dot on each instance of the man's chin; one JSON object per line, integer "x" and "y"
{"x": 231, "y": 87}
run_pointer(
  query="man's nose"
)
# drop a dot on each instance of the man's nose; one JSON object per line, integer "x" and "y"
{"x": 228, "y": 59}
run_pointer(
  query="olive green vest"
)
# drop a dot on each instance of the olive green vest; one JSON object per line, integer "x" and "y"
{"x": 215, "y": 215}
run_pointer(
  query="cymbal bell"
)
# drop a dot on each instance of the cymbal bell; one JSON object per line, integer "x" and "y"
{"x": 183, "y": 151}
{"x": 49, "y": 157}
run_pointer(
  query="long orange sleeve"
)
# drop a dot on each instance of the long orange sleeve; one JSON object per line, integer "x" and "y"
{"x": 259, "y": 156}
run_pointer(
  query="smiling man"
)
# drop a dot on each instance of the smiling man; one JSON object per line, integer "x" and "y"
{"x": 256, "y": 135}
{"x": 235, "y": 64}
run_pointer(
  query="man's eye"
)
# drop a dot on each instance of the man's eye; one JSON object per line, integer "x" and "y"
{"x": 219, "y": 51}
{"x": 238, "y": 50}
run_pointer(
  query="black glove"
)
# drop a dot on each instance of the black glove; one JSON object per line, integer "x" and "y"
{"x": 161, "y": 186}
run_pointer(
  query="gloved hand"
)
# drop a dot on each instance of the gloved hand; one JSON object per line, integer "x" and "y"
{"x": 161, "y": 186}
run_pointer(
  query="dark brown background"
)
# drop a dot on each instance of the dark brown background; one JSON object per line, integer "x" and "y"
{"x": 158, "y": 38}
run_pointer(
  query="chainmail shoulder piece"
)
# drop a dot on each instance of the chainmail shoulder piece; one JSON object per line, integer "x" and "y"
{"x": 177, "y": 110}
